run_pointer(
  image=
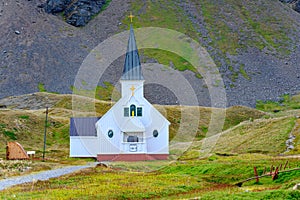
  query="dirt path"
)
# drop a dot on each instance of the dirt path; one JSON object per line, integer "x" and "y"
{"x": 45, "y": 175}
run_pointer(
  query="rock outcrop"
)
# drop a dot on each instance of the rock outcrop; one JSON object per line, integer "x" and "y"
{"x": 297, "y": 7}
{"x": 56, "y": 6}
{"x": 295, "y": 4}
{"x": 76, "y": 12}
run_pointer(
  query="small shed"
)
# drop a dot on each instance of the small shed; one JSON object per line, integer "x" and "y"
{"x": 15, "y": 151}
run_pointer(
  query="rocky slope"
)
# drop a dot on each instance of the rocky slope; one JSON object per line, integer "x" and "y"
{"x": 40, "y": 48}
{"x": 260, "y": 62}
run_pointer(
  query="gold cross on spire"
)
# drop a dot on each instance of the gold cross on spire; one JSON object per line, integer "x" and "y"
{"x": 132, "y": 90}
{"x": 131, "y": 17}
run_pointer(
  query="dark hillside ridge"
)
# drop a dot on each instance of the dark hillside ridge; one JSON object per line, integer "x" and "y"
{"x": 255, "y": 45}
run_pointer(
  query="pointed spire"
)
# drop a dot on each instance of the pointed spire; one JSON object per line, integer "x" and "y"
{"x": 132, "y": 66}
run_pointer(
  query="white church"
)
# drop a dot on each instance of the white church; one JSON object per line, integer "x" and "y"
{"x": 131, "y": 130}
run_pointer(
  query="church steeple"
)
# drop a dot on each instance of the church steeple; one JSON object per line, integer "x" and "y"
{"x": 132, "y": 66}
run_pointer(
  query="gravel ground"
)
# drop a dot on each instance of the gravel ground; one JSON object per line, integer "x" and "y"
{"x": 45, "y": 175}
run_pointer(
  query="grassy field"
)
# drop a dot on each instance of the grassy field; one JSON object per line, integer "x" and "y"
{"x": 249, "y": 138}
{"x": 287, "y": 102}
{"x": 209, "y": 178}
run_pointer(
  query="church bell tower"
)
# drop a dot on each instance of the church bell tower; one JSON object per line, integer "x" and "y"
{"x": 132, "y": 80}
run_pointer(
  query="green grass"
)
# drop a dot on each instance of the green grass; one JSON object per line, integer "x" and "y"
{"x": 196, "y": 178}
{"x": 10, "y": 134}
{"x": 106, "y": 92}
{"x": 163, "y": 14}
{"x": 24, "y": 117}
{"x": 260, "y": 136}
{"x": 244, "y": 73}
{"x": 234, "y": 116}
{"x": 166, "y": 58}
{"x": 246, "y": 195}
{"x": 41, "y": 87}
{"x": 238, "y": 114}
{"x": 16, "y": 126}
{"x": 107, "y": 184}
{"x": 107, "y": 2}
{"x": 287, "y": 102}
{"x": 224, "y": 37}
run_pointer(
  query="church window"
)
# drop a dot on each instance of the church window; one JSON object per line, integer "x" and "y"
{"x": 139, "y": 111}
{"x": 132, "y": 110}
{"x": 132, "y": 138}
{"x": 155, "y": 133}
{"x": 126, "y": 112}
{"x": 110, "y": 133}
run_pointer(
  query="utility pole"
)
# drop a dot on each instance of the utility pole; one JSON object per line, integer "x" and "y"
{"x": 46, "y": 124}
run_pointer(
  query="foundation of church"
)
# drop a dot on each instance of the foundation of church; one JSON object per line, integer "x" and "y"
{"x": 131, "y": 157}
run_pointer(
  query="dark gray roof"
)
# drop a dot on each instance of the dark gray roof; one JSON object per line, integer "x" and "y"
{"x": 83, "y": 126}
{"x": 132, "y": 66}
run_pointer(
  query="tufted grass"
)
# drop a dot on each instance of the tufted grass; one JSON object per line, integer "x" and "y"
{"x": 203, "y": 178}
{"x": 287, "y": 102}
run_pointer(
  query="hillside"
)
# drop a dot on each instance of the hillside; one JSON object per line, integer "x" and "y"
{"x": 250, "y": 138}
{"x": 47, "y": 51}
{"x": 245, "y": 129}
{"x": 255, "y": 45}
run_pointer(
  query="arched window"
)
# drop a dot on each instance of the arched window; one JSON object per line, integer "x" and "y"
{"x": 132, "y": 110}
